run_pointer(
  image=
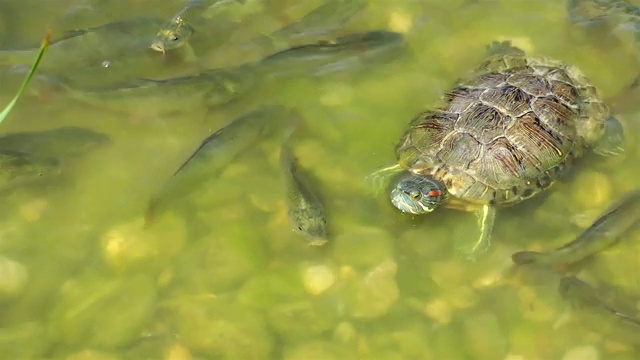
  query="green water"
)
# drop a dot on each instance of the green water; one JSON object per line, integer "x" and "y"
{"x": 224, "y": 276}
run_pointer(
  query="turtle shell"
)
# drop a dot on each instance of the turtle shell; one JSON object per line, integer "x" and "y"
{"x": 506, "y": 132}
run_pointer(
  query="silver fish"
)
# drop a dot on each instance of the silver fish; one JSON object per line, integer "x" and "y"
{"x": 62, "y": 142}
{"x": 601, "y": 314}
{"x": 209, "y": 88}
{"x": 91, "y": 46}
{"x": 614, "y": 222}
{"x": 19, "y": 169}
{"x": 342, "y": 53}
{"x": 177, "y": 31}
{"x": 305, "y": 210}
{"x": 218, "y": 150}
{"x": 27, "y": 157}
{"x": 326, "y": 18}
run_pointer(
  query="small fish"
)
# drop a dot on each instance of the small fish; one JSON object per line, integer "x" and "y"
{"x": 621, "y": 216}
{"x": 91, "y": 46}
{"x": 218, "y": 150}
{"x": 339, "y": 54}
{"x": 605, "y": 16}
{"x": 29, "y": 157}
{"x": 60, "y": 143}
{"x": 19, "y": 168}
{"x": 305, "y": 209}
{"x": 328, "y": 17}
{"x": 587, "y": 12}
{"x": 209, "y": 88}
{"x": 600, "y": 313}
{"x": 177, "y": 32}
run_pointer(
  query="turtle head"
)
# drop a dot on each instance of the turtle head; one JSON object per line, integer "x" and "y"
{"x": 417, "y": 194}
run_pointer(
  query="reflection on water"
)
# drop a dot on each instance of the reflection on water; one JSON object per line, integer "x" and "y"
{"x": 223, "y": 274}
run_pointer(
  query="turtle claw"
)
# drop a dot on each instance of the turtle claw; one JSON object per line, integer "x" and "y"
{"x": 486, "y": 217}
{"x": 378, "y": 180}
{"x": 473, "y": 253}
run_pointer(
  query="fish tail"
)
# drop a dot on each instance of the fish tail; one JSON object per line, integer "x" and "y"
{"x": 525, "y": 257}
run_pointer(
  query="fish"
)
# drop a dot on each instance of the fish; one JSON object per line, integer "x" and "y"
{"x": 31, "y": 156}
{"x": 605, "y": 17}
{"x": 177, "y": 31}
{"x": 326, "y": 18}
{"x": 61, "y": 142}
{"x": 217, "y": 151}
{"x": 603, "y": 315}
{"x": 588, "y": 12}
{"x": 91, "y": 46}
{"x": 305, "y": 210}
{"x": 614, "y": 222}
{"x": 209, "y": 88}
{"x": 217, "y": 87}
{"x": 19, "y": 169}
{"x": 339, "y": 54}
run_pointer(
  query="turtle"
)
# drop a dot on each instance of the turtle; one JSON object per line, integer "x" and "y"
{"x": 501, "y": 135}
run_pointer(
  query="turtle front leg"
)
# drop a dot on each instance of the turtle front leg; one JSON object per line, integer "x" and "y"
{"x": 486, "y": 217}
{"x": 380, "y": 178}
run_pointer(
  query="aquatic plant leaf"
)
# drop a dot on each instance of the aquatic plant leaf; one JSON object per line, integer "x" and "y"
{"x": 43, "y": 48}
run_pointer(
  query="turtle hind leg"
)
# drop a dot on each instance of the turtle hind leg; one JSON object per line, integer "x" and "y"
{"x": 378, "y": 180}
{"x": 486, "y": 218}
{"x": 612, "y": 142}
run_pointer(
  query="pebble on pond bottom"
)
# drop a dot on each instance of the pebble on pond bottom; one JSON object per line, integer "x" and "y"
{"x": 318, "y": 278}
{"x": 375, "y": 293}
{"x": 583, "y": 352}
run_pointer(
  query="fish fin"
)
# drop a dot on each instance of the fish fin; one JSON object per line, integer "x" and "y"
{"x": 73, "y": 33}
{"x": 524, "y": 257}
{"x": 146, "y": 81}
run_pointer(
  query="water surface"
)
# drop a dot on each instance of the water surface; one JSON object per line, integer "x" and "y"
{"x": 224, "y": 275}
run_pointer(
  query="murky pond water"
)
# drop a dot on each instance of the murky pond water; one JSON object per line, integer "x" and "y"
{"x": 222, "y": 273}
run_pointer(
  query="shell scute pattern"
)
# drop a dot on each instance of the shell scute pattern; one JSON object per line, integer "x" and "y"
{"x": 459, "y": 148}
{"x": 507, "y": 132}
{"x": 507, "y": 99}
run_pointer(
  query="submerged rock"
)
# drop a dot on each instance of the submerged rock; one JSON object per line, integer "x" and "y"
{"x": 102, "y": 312}
{"x": 372, "y": 295}
{"x": 220, "y": 327}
